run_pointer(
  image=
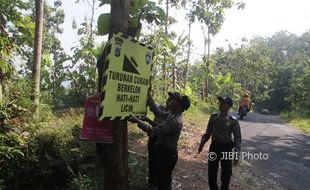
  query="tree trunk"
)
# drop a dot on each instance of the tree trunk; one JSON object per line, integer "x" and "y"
{"x": 188, "y": 50}
{"x": 115, "y": 156}
{"x": 1, "y": 96}
{"x": 174, "y": 76}
{"x": 164, "y": 63}
{"x": 206, "y": 58}
{"x": 115, "y": 159}
{"x": 39, "y": 4}
{"x": 205, "y": 43}
{"x": 207, "y": 67}
{"x": 91, "y": 38}
{"x": 209, "y": 43}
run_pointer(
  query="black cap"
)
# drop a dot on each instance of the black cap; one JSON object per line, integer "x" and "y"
{"x": 226, "y": 99}
{"x": 185, "y": 101}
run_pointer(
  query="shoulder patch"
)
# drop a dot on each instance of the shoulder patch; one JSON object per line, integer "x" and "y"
{"x": 214, "y": 114}
{"x": 232, "y": 117}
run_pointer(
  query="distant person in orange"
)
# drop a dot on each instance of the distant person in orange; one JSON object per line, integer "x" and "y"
{"x": 245, "y": 101}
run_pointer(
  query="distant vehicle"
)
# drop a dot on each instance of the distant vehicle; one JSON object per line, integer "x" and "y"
{"x": 264, "y": 111}
{"x": 243, "y": 112}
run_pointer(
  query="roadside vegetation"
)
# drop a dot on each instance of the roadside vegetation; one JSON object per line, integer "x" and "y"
{"x": 299, "y": 120}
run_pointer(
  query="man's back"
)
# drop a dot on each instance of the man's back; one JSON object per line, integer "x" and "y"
{"x": 245, "y": 101}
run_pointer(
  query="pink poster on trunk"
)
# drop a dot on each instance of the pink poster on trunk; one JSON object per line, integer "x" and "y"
{"x": 93, "y": 129}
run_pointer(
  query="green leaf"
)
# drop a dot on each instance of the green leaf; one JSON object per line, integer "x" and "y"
{"x": 136, "y": 5}
{"x": 47, "y": 59}
{"x": 168, "y": 43}
{"x": 104, "y": 24}
{"x": 161, "y": 13}
{"x": 104, "y": 2}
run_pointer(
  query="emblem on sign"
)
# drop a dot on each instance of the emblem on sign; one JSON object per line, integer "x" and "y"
{"x": 118, "y": 43}
{"x": 117, "y": 52}
{"x": 148, "y": 58}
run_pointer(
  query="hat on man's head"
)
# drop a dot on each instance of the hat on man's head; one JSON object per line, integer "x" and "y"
{"x": 186, "y": 103}
{"x": 226, "y": 100}
{"x": 175, "y": 95}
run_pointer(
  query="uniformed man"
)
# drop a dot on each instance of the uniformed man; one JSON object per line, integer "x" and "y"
{"x": 151, "y": 144}
{"x": 245, "y": 101}
{"x": 221, "y": 127}
{"x": 168, "y": 133}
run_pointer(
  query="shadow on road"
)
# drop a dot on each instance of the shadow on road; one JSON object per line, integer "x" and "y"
{"x": 295, "y": 148}
{"x": 288, "y": 161}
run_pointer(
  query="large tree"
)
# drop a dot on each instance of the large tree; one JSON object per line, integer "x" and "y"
{"x": 211, "y": 15}
{"x": 116, "y": 154}
{"x": 39, "y": 4}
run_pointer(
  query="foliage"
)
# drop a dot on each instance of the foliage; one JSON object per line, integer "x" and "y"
{"x": 140, "y": 10}
{"x": 211, "y": 13}
{"x": 103, "y": 24}
{"x": 274, "y": 70}
{"x": 14, "y": 27}
{"x": 299, "y": 119}
{"x": 82, "y": 71}
{"x": 250, "y": 65}
{"x": 224, "y": 85}
{"x": 49, "y": 155}
{"x": 15, "y": 111}
{"x": 53, "y": 55}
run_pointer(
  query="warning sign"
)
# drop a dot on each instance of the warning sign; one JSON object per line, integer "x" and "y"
{"x": 126, "y": 80}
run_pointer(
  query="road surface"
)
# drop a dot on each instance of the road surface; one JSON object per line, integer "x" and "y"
{"x": 287, "y": 148}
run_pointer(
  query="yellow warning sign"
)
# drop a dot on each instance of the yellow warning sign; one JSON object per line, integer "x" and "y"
{"x": 126, "y": 80}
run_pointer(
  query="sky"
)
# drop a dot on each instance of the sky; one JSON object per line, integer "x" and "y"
{"x": 260, "y": 17}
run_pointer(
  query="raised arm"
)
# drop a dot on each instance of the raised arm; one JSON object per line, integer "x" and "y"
{"x": 157, "y": 110}
{"x": 151, "y": 122}
{"x": 145, "y": 127}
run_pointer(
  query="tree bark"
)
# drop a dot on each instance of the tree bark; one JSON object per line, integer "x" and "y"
{"x": 39, "y": 4}
{"x": 164, "y": 63}
{"x": 188, "y": 50}
{"x": 115, "y": 158}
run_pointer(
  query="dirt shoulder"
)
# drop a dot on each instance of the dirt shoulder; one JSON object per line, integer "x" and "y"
{"x": 191, "y": 173}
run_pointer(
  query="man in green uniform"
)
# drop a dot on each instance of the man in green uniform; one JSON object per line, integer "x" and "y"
{"x": 168, "y": 133}
{"x": 221, "y": 127}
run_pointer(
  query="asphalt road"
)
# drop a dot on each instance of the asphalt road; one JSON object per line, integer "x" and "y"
{"x": 287, "y": 148}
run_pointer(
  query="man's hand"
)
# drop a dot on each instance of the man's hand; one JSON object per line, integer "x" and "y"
{"x": 200, "y": 148}
{"x": 144, "y": 118}
{"x": 236, "y": 157}
{"x": 149, "y": 97}
{"x": 235, "y": 161}
{"x": 202, "y": 143}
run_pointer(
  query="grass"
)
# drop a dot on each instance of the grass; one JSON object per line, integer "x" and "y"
{"x": 64, "y": 129}
{"x": 55, "y": 148}
{"x": 297, "y": 120}
{"x": 302, "y": 124}
{"x": 199, "y": 114}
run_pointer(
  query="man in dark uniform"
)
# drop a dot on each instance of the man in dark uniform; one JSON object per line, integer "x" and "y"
{"x": 221, "y": 127}
{"x": 151, "y": 144}
{"x": 168, "y": 133}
